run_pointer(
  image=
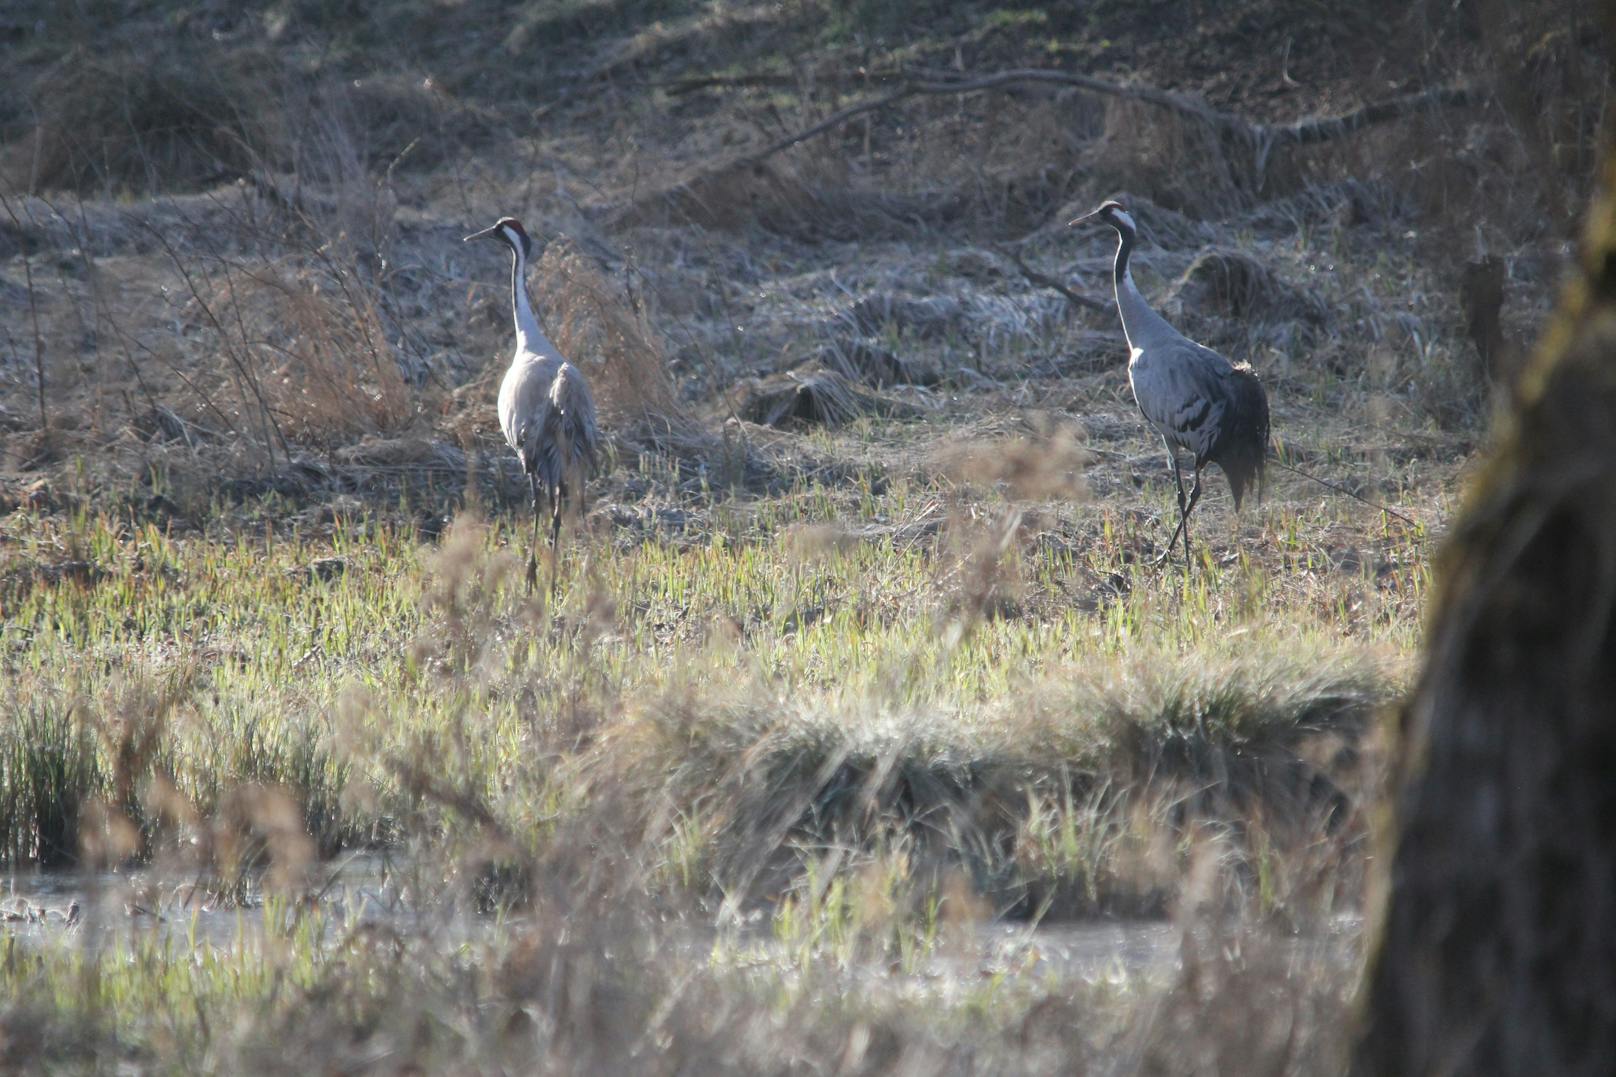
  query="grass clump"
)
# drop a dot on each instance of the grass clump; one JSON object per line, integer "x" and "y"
{"x": 592, "y": 320}
{"x": 175, "y": 118}
{"x": 50, "y": 772}
{"x": 1008, "y": 797}
{"x": 312, "y": 350}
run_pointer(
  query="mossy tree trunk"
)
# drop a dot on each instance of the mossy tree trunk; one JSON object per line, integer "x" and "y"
{"x": 1495, "y": 948}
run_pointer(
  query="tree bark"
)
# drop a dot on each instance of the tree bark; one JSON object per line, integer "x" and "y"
{"x": 1495, "y": 947}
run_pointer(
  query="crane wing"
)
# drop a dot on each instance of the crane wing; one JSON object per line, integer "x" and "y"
{"x": 1182, "y": 389}
{"x": 574, "y": 407}
{"x": 548, "y": 417}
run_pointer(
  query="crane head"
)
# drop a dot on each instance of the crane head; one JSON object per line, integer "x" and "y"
{"x": 508, "y": 230}
{"x": 1112, "y": 213}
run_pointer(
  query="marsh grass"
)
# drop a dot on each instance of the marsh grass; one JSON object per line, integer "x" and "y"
{"x": 50, "y": 771}
{"x": 916, "y": 721}
{"x": 842, "y": 751}
{"x": 574, "y": 992}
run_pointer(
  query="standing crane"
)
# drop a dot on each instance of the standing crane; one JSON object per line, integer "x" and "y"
{"x": 545, "y": 409}
{"x": 1194, "y": 397}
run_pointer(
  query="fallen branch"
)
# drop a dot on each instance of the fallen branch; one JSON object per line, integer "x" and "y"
{"x": 1307, "y": 132}
{"x": 745, "y": 80}
{"x": 833, "y": 121}
{"x": 1044, "y": 280}
{"x": 1262, "y": 136}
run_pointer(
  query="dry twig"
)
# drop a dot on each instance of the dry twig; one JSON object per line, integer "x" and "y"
{"x": 1044, "y": 280}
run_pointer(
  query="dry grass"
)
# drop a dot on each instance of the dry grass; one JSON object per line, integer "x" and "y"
{"x": 1048, "y": 464}
{"x": 313, "y": 349}
{"x": 160, "y": 121}
{"x": 608, "y": 335}
{"x": 1233, "y": 286}
{"x": 1177, "y": 161}
{"x": 813, "y": 396}
{"x": 734, "y": 196}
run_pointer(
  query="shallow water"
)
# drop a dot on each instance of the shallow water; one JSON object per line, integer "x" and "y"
{"x": 378, "y": 890}
{"x": 1126, "y": 950}
{"x": 352, "y": 890}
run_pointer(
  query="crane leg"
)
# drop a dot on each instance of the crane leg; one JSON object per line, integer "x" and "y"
{"x": 560, "y": 493}
{"x": 1195, "y": 495}
{"x": 1183, "y": 511}
{"x": 533, "y": 550}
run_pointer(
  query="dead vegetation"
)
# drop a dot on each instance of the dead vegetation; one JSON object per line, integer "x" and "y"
{"x": 609, "y": 336}
{"x": 1233, "y": 286}
{"x": 319, "y": 363}
{"x": 1047, "y": 463}
{"x": 159, "y": 121}
{"x": 814, "y": 397}
{"x": 902, "y": 171}
{"x": 350, "y": 143}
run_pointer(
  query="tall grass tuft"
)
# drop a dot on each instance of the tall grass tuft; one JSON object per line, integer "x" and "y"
{"x": 597, "y": 326}
{"x": 169, "y": 118}
{"x": 50, "y": 773}
{"x": 320, "y": 351}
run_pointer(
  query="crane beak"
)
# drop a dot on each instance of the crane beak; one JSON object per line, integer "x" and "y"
{"x": 1075, "y": 221}
{"x": 484, "y": 234}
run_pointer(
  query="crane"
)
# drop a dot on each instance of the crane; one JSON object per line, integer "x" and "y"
{"x": 1194, "y": 397}
{"x": 545, "y": 409}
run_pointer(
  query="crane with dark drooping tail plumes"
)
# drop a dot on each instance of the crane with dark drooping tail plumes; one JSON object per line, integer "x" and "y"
{"x": 545, "y": 408}
{"x": 1194, "y": 397}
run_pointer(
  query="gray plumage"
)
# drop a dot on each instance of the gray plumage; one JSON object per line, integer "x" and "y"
{"x": 1194, "y": 397}
{"x": 545, "y": 409}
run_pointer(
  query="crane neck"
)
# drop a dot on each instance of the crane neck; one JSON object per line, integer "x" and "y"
{"x": 1139, "y": 321}
{"x": 529, "y": 337}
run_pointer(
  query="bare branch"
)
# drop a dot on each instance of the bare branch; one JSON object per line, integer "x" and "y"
{"x": 679, "y": 87}
{"x": 243, "y": 369}
{"x": 1044, "y": 280}
{"x": 1299, "y": 132}
{"x": 1308, "y": 132}
{"x": 831, "y": 122}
